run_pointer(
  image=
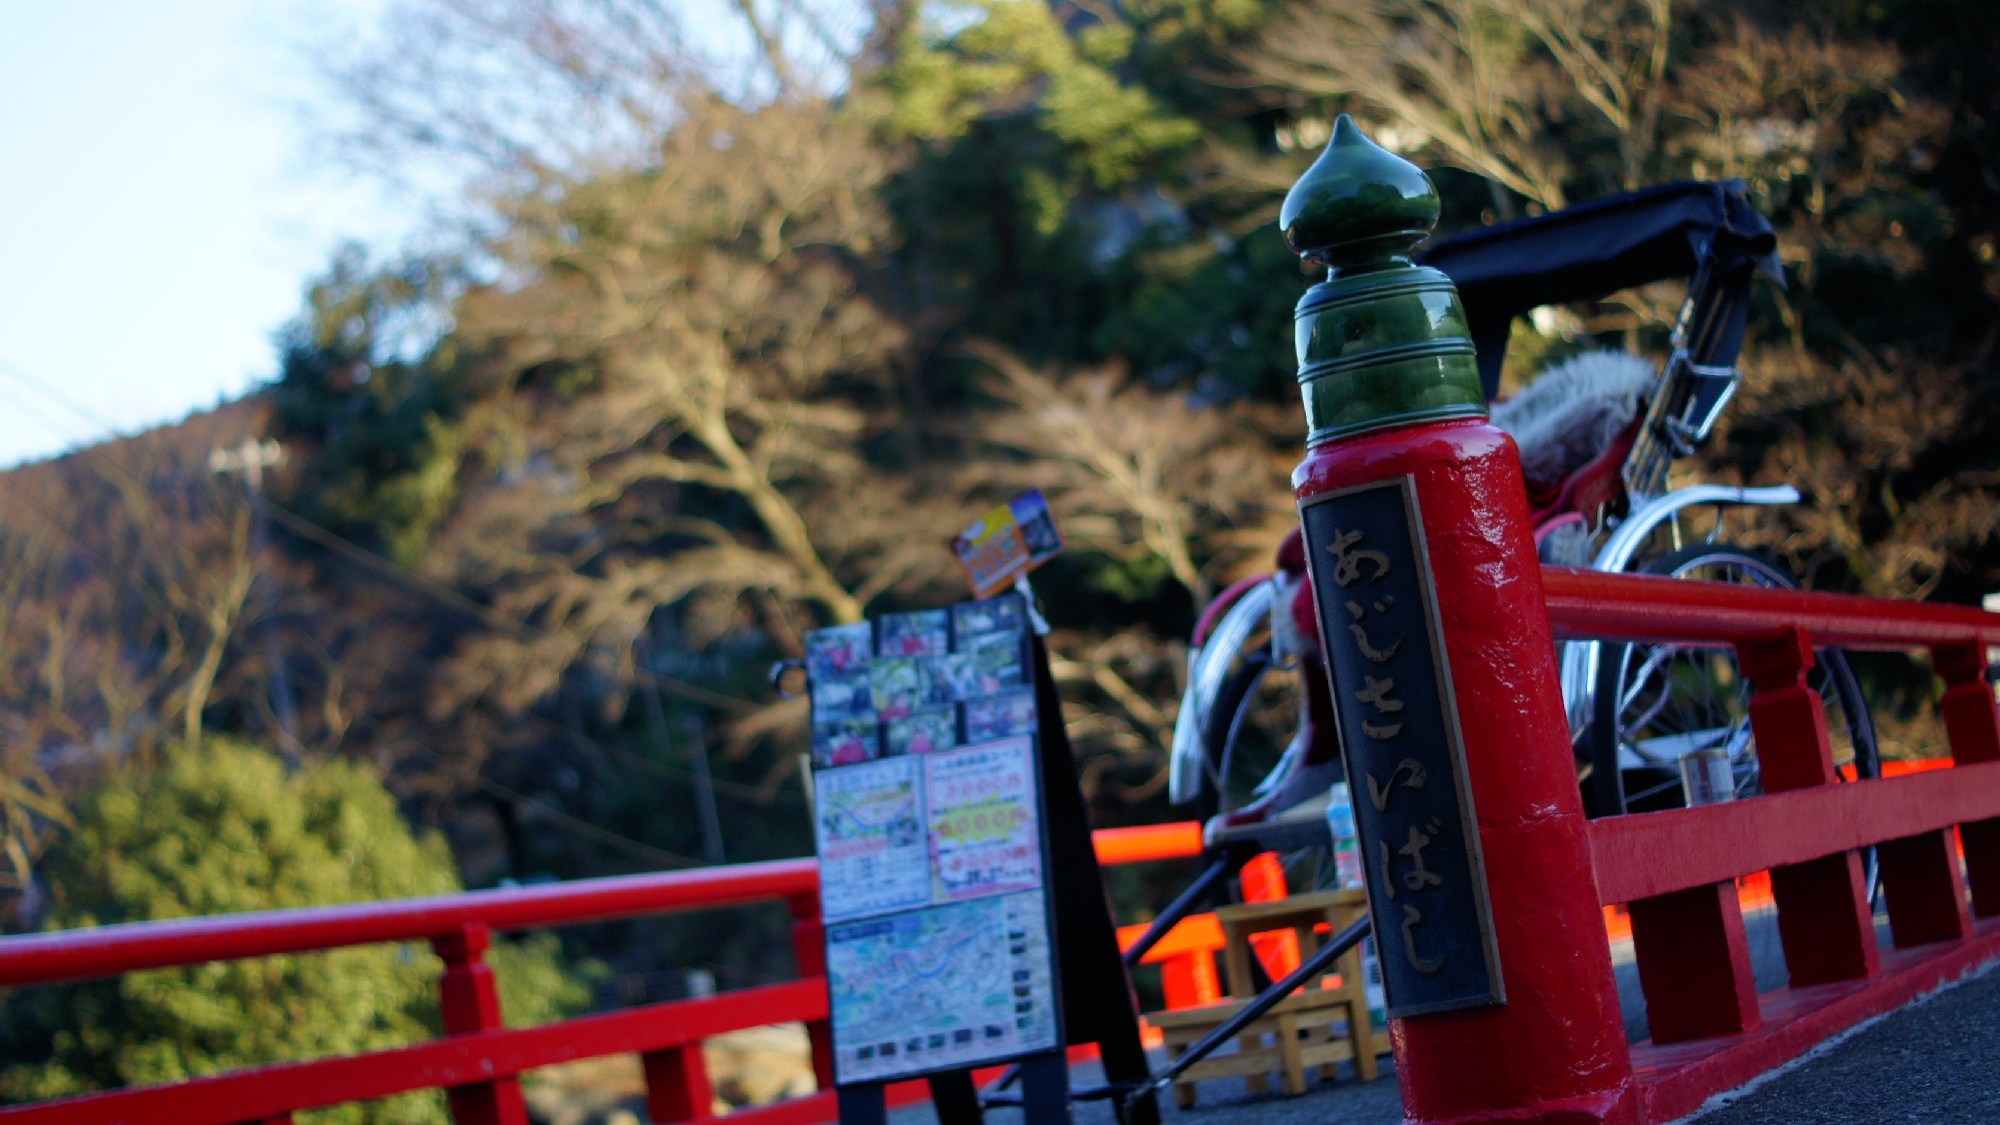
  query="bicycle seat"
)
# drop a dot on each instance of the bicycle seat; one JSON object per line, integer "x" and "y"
{"x": 1597, "y": 248}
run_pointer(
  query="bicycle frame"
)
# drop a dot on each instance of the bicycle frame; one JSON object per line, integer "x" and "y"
{"x": 1580, "y": 658}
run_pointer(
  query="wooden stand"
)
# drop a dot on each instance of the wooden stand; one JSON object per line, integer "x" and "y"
{"x": 1299, "y": 1028}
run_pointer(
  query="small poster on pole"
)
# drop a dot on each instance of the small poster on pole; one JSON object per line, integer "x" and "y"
{"x": 932, "y": 842}
{"x": 1008, "y": 542}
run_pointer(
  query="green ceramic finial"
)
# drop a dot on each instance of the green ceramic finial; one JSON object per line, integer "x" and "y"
{"x": 1381, "y": 342}
{"x": 1356, "y": 200}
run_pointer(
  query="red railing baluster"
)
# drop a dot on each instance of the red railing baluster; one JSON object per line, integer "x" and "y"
{"x": 469, "y": 1003}
{"x": 809, "y": 953}
{"x": 677, "y": 1086}
{"x": 1920, "y": 878}
{"x": 1694, "y": 964}
{"x": 1923, "y": 889}
{"x": 1824, "y": 920}
{"x": 1972, "y": 724}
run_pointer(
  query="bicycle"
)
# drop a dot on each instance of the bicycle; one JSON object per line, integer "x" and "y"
{"x": 1598, "y": 437}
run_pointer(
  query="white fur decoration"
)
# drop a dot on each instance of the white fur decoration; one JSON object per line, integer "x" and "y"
{"x": 1573, "y": 410}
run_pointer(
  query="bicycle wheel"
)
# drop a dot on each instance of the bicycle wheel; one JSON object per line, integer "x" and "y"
{"x": 1653, "y": 703}
{"x": 1229, "y": 774}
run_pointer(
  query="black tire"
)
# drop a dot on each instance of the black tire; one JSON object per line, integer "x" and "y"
{"x": 1220, "y": 785}
{"x": 1685, "y": 695}
{"x": 1236, "y": 758}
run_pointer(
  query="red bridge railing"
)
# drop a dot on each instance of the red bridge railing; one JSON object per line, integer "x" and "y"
{"x": 1675, "y": 871}
{"x": 478, "y": 1062}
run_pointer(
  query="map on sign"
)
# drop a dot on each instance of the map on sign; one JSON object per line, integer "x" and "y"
{"x": 934, "y": 989}
{"x": 928, "y": 820}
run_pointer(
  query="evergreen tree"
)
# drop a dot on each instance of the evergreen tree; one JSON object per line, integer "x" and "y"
{"x": 223, "y": 830}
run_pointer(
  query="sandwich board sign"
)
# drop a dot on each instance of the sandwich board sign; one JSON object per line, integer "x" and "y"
{"x": 932, "y": 841}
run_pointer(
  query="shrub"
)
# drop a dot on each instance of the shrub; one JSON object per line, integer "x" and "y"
{"x": 227, "y": 829}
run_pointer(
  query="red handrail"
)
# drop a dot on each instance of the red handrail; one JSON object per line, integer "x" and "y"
{"x": 480, "y": 1062}
{"x": 1591, "y": 603}
{"x": 1677, "y": 870}
{"x": 267, "y": 1092}
{"x": 1638, "y": 857}
{"x": 110, "y": 950}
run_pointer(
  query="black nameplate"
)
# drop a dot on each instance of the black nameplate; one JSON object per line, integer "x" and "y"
{"x": 1400, "y": 741}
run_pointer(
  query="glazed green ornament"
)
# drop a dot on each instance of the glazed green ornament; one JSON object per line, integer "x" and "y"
{"x": 1381, "y": 342}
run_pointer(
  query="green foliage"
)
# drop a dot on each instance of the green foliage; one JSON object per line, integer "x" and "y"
{"x": 1014, "y": 56}
{"x": 370, "y": 382}
{"x": 223, "y": 830}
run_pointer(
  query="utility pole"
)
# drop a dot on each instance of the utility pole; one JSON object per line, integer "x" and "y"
{"x": 704, "y": 781}
{"x": 251, "y": 458}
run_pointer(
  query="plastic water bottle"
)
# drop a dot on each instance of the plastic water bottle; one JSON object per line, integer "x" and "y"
{"x": 1347, "y": 869}
{"x": 1371, "y": 985}
{"x": 1346, "y": 845}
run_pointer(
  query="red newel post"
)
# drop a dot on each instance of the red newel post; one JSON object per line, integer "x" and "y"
{"x": 1511, "y": 1016}
{"x": 469, "y": 1002}
{"x": 809, "y": 953}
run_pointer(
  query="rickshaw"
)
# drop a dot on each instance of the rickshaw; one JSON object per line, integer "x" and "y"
{"x": 1600, "y": 435}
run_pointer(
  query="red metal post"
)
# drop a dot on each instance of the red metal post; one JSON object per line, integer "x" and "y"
{"x": 1824, "y": 919}
{"x": 677, "y": 1087}
{"x": 469, "y": 1002}
{"x": 1972, "y": 723}
{"x": 1391, "y": 391}
{"x": 809, "y": 953}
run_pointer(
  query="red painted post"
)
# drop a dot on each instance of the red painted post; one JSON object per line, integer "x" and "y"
{"x": 1825, "y": 922}
{"x": 1694, "y": 964}
{"x": 469, "y": 1002}
{"x": 677, "y": 1087}
{"x": 809, "y": 953}
{"x": 1972, "y": 723}
{"x": 1923, "y": 890}
{"x": 1189, "y": 980}
{"x": 1391, "y": 391}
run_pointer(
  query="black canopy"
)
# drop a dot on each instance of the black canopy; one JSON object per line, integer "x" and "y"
{"x": 1597, "y": 248}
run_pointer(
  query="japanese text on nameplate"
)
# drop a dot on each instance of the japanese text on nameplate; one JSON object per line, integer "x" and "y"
{"x": 1400, "y": 741}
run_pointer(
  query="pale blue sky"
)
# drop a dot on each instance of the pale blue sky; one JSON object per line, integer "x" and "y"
{"x": 159, "y": 209}
{"x": 162, "y": 203}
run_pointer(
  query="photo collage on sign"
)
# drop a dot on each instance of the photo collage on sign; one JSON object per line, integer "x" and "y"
{"x": 918, "y": 683}
{"x": 927, "y": 820}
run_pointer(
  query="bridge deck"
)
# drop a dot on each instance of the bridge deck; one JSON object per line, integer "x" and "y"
{"x": 1930, "y": 1062}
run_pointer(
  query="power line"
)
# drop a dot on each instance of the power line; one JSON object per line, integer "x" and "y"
{"x": 68, "y": 435}
{"x": 491, "y": 617}
{"x": 417, "y": 583}
{"x": 50, "y": 390}
{"x": 585, "y": 828}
